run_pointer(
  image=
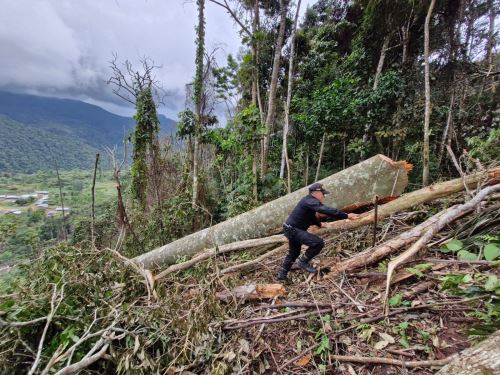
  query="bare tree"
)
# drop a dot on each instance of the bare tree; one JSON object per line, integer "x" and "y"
{"x": 129, "y": 82}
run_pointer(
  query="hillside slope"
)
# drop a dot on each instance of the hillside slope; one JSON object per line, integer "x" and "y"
{"x": 29, "y": 149}
{"x": 34, "y": 129}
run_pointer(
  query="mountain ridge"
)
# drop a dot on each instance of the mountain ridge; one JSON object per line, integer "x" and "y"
{"x": 80, "y": 129}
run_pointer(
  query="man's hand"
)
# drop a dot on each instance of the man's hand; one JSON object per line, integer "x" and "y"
{"x": 353, "y": 216}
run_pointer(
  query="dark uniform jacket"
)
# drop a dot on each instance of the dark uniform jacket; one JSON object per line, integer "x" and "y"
{"x": 304, "y": 214}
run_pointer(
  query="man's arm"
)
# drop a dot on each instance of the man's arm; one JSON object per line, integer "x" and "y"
{"x": 321, "y": 208}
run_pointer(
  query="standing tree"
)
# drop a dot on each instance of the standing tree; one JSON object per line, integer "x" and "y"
{"x": 198, "y": 94}
{"x": 271, "y": 102}
{"x": 284, "y": 156}
{"x": 427, "y": 115}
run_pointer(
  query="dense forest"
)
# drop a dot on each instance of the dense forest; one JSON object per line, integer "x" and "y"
{"x": 68, "y": 131}
{"x": 305, "y": 99}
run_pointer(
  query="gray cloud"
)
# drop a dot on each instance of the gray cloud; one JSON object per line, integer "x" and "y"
{"x": 63, "y": 47}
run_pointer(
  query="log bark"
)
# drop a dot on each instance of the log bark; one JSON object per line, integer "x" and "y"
{"x": 378, "y": 175}
{"x": 481, "y": 359}
{"x": 415, "y": 198}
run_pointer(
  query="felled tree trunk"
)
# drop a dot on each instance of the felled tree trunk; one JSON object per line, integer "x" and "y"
{"x": 481, "y": 359}
{"x": 378, "y": 175}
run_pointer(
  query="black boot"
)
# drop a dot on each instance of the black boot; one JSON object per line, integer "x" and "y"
{"x": 304, "y": 264}
{"x": 283, "y": 272}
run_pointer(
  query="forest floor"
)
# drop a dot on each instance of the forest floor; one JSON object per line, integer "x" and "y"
{"x": 439, "y": 305}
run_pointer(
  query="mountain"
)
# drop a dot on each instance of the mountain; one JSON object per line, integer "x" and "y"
{"x": 36, "y": 129}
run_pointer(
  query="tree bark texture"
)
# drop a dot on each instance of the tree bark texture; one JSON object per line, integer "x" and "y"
{"x": 482, "y": 359}
{"x": 378, "y": 175}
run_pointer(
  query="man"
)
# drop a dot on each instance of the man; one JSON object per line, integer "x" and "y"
{"x": 295, "y": 229}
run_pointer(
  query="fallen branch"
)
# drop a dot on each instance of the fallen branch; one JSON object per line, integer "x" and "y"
{"x": 207, "y": 254}
{"x": 259, "y": 259}
{"x": 85, "y": 362}
{"x": 412, "y": 199}
{"x": 450, "y": 215}
{"x": 55, "y": 302}
{"x": 372, "y": 255}
{"x": 270, "y": 320}
{"x": 391, "y": 361}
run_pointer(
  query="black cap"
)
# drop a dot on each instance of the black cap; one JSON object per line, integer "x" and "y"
{"x": 318, "y": 187}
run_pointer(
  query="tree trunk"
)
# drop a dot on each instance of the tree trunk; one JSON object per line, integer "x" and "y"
{"x": 491, "y": 37}
{"x": 381, "y": 60}
{"x": 482, "y": 359}
{"x": 378, "y": 175}
{"x": 306, "y": 169}
{"x": 447, "y": 129}
{"x": 198, "y": 95}
{"x": 370, "y": 255}
{"x": 427, "y": 115}
{"x": 271, "y": 107}
{"x": 286, "y": 129}
{"x": 380, "y": 66}
{"x": 320, "y": 157}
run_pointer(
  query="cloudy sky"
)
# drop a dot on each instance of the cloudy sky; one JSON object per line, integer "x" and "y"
{"x": 63, "y": 47}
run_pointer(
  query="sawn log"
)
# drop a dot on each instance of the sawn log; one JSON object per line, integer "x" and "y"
{"x": 355, "y": 185}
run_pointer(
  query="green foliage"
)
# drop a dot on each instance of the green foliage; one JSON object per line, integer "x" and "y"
{"x": 145, "y": 142}
{"x": 419, "y": 268}
{"x": 44, "y": 147}
{"x": 100, "y": 292}
{"x": 486, "y": 150}
{"x": 477, "y": 284}
{"x": 487, "y": 246}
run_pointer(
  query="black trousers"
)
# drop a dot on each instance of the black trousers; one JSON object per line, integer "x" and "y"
{"x": 297, "y": 237}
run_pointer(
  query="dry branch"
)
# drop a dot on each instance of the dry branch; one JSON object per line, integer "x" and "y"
{"x": 372, "y": 255}
{"x": 257, "y": 260}
{"x": 207, "y": 254}
{"x": 391, "y": 361}
{"x": 450, "y": 215}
